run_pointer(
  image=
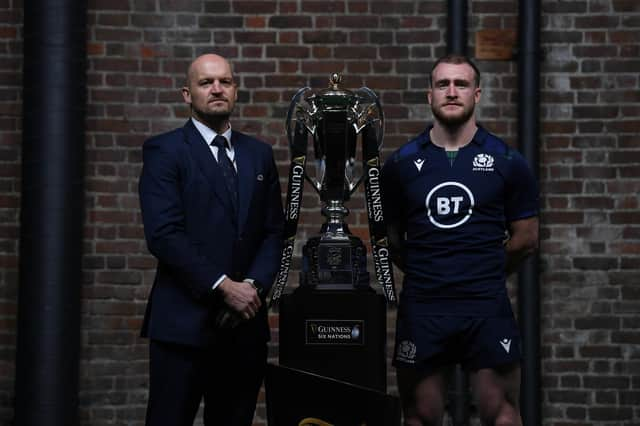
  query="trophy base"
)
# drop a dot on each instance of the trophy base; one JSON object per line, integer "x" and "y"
{"x": 334, "y": 263}
{"x": 337, "y": 334}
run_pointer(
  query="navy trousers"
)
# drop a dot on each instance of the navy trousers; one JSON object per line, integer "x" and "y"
{"x": 228, "y": 376}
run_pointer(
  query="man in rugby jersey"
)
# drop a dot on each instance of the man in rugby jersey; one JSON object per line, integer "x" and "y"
{"x": 461, "y": 207}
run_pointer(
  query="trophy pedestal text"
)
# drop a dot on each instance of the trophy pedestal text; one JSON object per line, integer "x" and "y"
{"x": 339, "y": 334}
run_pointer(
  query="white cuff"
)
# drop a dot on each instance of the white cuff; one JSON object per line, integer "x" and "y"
{"x": 218, "y": 282}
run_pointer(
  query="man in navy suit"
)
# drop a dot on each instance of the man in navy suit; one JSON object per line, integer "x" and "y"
{"x": 212, "y": 213}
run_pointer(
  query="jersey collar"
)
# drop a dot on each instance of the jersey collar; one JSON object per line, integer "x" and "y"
{"x": 478, "y": 138}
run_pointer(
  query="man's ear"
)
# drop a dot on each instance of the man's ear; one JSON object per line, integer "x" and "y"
{"x": 477, "y": 94}
{"x": 186, "y": 94}
{"x": 429, "y": 96}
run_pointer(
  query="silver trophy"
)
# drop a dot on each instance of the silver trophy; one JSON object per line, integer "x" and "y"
{"x": 335, "y": 120}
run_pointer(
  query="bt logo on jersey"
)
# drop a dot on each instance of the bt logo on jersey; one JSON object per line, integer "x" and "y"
{"x": 449, "y": 205}
{"x": 444, "y": 205}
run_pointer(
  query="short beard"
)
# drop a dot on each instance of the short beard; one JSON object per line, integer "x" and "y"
{"x": 213, "y": 118}
{"x": 453, "y": 122}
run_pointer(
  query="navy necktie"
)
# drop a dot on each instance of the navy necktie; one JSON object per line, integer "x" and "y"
{"x": 228, "y": 171}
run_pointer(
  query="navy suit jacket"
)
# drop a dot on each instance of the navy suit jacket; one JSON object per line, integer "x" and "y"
{"x": 190, "y": 229}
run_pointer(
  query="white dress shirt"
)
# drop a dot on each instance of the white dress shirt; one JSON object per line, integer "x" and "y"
{"x": 209, "y": 135}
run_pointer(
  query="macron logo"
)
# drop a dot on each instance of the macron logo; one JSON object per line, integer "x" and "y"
{"x": 506, "y": 344}
{"x": 419, "y": 162}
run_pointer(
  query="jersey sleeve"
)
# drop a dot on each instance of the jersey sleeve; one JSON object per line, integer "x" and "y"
{"x": 522, "y": 199}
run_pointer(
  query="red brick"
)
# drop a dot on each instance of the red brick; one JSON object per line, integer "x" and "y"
{"x": 358, "y": 6}
{"x": 290, "y": 21}
{"x": 288, "y": 37}
{"x": 8, "y": 32}
{"x": 254, "y": 7}
{"x": 252, "y": 51}
{"x": 593, "y": 172}
{"x": 112, "y": 64}
{"x": 117, "y": 35}
{"x": 558, "y": 127}
{"x": 152, "y": 52}
{"x": 113, "y": 19}
{"x": 361, "y": 53}
{"x": 625, "y": 218}
{"x": 563, "y": 217}
{"x": 287, "y": 52}
{"x": 254, "y": 111}
{"x": 289, "y": 67}
{"x": 432, "y": 7}
{"x": 596, "y": 21}
{"x": 325, "y": 37}
{"x": 255, "y": 22}
{"x": 326, "y": 67}
{"x": 255, "y": 37}
{"x": 358, "y": 67}
{"x": 310, "y": 6}
{"x": 593, "y": 203}
{"x": 351, "y": 22}
{"x": 241, "y": 67}
{"x": 108, "y": 5}
{"x": 621, "y": 65}
{"x": 624, "y": 157}
{"x": 500, "y": 7}
{"x": 626, "y": 6}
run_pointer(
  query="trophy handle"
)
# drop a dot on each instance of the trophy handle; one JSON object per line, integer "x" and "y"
{"x": 362, "y": 120}
{"x": 293, "y": 106}
{"x": 304, "y": 114}
{"x": 376, "y": 101}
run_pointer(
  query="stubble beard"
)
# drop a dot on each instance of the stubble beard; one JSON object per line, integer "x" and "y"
{"x": 453, "y": 121}
{"x": 212, "y": 118}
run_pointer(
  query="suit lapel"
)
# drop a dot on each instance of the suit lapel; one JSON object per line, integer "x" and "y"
{"x": 246, "y": 175}
{"x": 207, "y": 163}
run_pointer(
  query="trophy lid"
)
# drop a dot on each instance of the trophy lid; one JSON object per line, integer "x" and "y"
{"x": 335, "y": 97}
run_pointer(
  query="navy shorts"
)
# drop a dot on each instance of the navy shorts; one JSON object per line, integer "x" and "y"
{"x": 429, "y": 342}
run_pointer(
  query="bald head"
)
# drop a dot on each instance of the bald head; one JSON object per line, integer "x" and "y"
{"x": 206, "y": 60}
{"x": 210, "y": 91}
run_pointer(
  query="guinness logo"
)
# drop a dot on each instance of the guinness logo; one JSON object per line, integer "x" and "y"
{"x": 334, "y": 332}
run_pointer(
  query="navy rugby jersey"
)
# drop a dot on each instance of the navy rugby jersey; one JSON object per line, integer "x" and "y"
{"x": 455, "y": 217}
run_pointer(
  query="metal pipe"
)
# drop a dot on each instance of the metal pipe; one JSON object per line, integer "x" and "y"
{"x": 457, "y": 37}
{"x": 52, "y": 201}
{"x": 529, "y": 56}
{"x": 457, "y": 41}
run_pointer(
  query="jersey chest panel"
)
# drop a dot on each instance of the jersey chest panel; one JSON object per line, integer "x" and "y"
{"x": 467, "y": 196}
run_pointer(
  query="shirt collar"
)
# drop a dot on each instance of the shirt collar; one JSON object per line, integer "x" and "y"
{"x": 478, "y": 138}
{"x": 209, "y": 134}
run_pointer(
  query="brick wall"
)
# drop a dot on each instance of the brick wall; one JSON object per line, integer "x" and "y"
{"x": 590, "y": 165}
{"x": 10, "y": 138}
{"x": 591, "y": 220}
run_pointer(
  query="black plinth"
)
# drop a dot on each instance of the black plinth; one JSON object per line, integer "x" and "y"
{"x": 296, "y": 397}
{"x": 339, "y": 334}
